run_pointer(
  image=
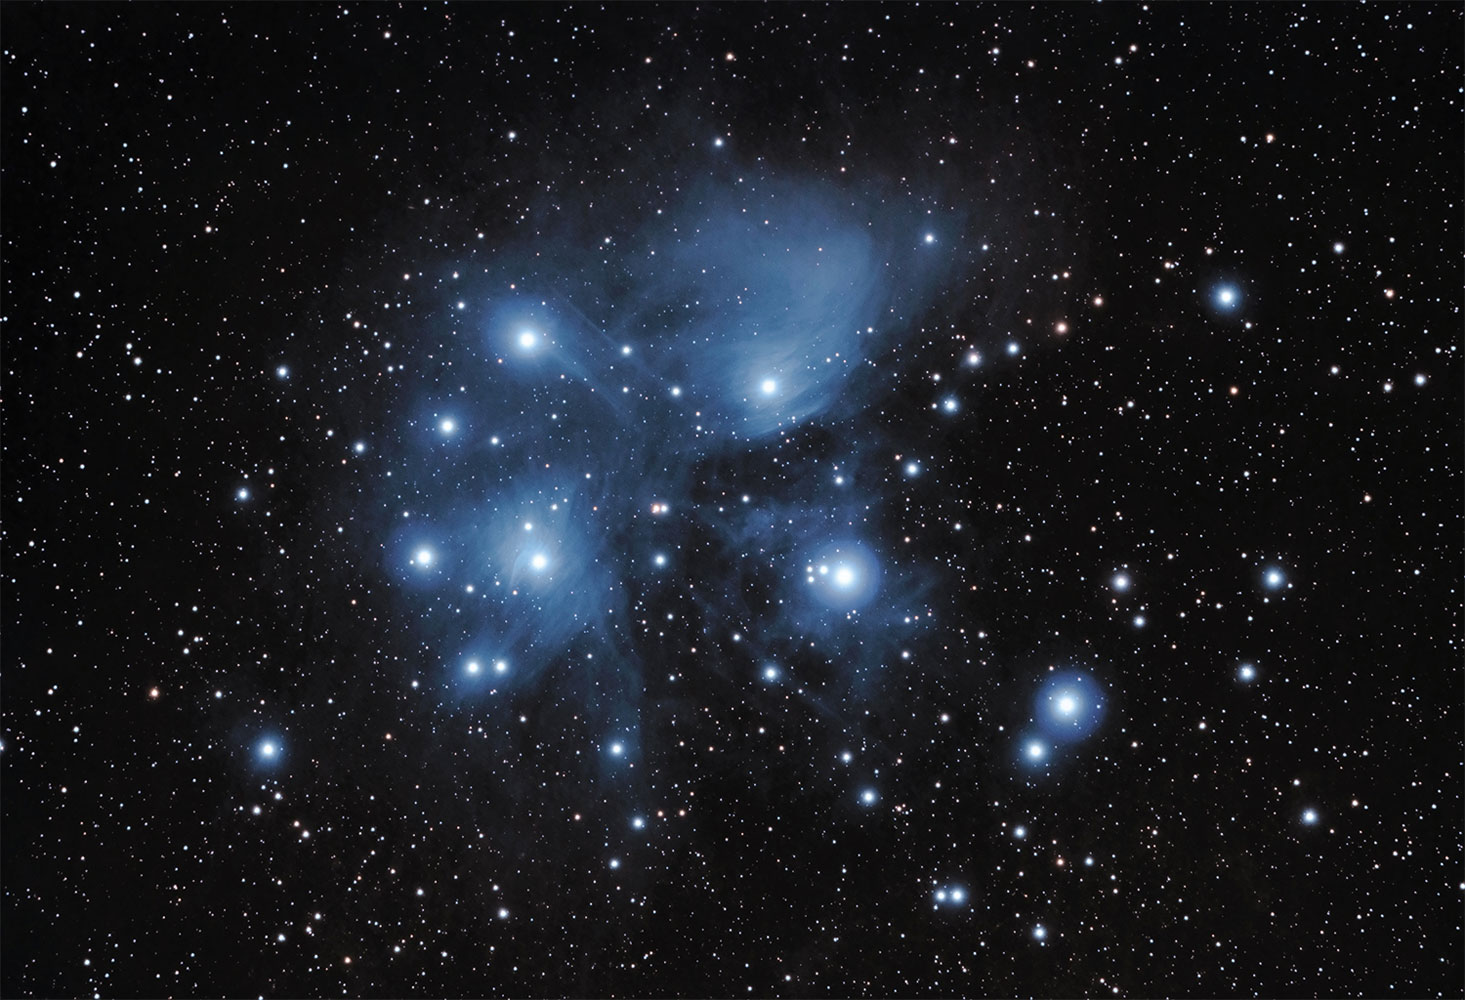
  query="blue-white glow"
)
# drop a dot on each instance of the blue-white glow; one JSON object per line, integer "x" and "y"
{"x": 869, "y": 797}
{"x": 423, "y": 558}
{"x": 1227, "y": 297}
{"x": 1309, "y": 817}
{"x": 950, "y": 896}
{"x": 1121, "y": 582}
{"x": 617, "y": 749}
{"x": 1274, "y": 578}
{"x": 448, "y": 426}
{"x": 845, "y": 576}
{"x": 1069, "y": 706}
{"x": 1040, "y": 932}
{"x": 1246, "y": 673}
{"x": 243, "y": 494}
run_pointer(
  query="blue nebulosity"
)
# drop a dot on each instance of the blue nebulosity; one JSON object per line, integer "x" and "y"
{"x": 545, "y": 460}
{"x": 1069, "y": 705}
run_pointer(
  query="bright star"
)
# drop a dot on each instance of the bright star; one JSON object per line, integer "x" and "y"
{"x": 617, "y": 749}
{"x": 1040, "y": 932}
{"x": 1246, "y": 672}
{"x": 500, "y": 666}
{"x": 1309, "y": 816}
{"x": 423, "y": 558}
{"x": 1036, "y": 750}
{"x": 769, "y": 386}
{"x": 447, "y": 426}
{"x": 539, "y": 561}
{"x": 869, "y": 797}
{"x": 472, "y": 667}
{"x": 527, "y": 340}
{"x": 1067, "y": 704}
{"x": 930, "y": 238}
{"x": 1275, "y": 578}
{"x": 1121, "y": 582}
{"x": 243, "y": 494}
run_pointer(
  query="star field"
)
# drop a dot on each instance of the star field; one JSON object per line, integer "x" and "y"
{"x": 744, "y": 501}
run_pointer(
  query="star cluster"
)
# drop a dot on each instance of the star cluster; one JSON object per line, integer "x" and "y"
{"x": 683, "y": 501}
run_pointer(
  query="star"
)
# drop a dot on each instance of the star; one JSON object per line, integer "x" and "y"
{"x": 1246, "y": 672}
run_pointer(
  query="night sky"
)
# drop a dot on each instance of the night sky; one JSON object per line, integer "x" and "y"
{"x": 732, "y": 500}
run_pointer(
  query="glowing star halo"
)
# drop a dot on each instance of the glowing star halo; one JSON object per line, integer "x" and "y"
{"x": 1069, "y": 706}
{"x": 845, "y": 576}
